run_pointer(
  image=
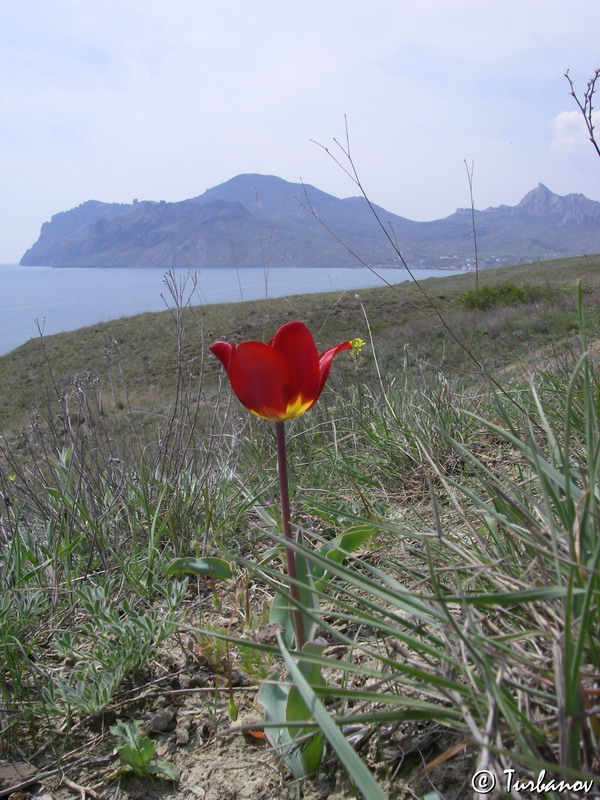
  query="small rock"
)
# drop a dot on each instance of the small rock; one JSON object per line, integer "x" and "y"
{"x": 238, "y": 678}
{"x": 193, "y": 680}
{"x": 182, "y": 736}
{"x": 161, "y": 720}
{"x": 182, "y": 731}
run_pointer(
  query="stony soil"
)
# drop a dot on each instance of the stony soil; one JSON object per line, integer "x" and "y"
{"x": 182, "y": 702}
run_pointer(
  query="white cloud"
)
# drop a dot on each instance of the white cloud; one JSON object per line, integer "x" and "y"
{"x": 570, "y": 133}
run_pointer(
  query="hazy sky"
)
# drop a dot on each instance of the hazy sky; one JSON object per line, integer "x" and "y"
{"x": 117, "y": 99}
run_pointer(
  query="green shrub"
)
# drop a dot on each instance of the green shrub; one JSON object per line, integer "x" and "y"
{"x": 503, "y": 294}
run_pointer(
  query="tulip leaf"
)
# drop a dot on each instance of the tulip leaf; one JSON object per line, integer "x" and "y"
{"x": 273, "y": 697}
{"x": 301, "y": 746}
{"x": 310, "y": 751}
{"x": 339, "y": 549}
{"x": 356, "y": 768}
{"x": 208, "y": 567}
{"x": 309, "y": 599}
{"x": 280, "y": 614}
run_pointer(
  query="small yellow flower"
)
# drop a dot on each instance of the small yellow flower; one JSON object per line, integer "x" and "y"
{"x": 12, "y": 478}
{"x": 357, "y": 345}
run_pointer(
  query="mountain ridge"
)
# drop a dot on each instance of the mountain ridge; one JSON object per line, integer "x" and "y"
{"x": 263, "y": 220}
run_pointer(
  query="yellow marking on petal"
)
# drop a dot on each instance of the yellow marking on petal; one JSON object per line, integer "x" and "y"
{"x": 256, "y": 414}
{"x": 296, "y": 409}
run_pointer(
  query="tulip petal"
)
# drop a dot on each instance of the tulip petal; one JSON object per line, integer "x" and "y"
{"x": 260, "y": 377}
{"x": 222, "y": 350}
{"x": 325, "y": 360}
{"x": 296, "y": 344}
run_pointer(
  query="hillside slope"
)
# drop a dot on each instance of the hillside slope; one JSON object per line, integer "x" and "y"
{"x": 143, "y": 351}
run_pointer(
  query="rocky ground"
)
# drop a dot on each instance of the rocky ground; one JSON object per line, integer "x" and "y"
{"x": 183, "y": 704}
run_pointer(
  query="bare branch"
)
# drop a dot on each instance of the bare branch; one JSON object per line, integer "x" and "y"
{"x": 349, "y": 168}
{"x": 586, "y": 105}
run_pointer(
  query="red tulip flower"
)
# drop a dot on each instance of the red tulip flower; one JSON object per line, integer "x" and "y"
{"x": 282, "y": 379}
{"x": 278, "y": 381}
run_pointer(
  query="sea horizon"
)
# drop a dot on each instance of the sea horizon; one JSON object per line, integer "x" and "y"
{"x": 58, "y": 299}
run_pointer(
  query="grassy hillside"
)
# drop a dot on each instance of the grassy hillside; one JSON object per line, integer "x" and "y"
{"x": 145, "y": 352}
{"x": 450, "y": 526}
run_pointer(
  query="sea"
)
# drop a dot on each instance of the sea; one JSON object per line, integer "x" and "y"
{"x": 36, "y": 300}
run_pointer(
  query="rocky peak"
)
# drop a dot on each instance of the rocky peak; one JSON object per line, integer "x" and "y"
{"x": 572, "y": 208}
{"x": 541, "y": 201}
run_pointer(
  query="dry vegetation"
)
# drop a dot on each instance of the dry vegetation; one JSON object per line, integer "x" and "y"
{"x": 462, "y": 636}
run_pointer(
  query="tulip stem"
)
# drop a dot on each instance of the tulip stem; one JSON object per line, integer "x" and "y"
{"x": 290, "y": 555}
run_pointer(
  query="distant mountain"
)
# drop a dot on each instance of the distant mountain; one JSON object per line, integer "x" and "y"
{"x": 262, "y": 220}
